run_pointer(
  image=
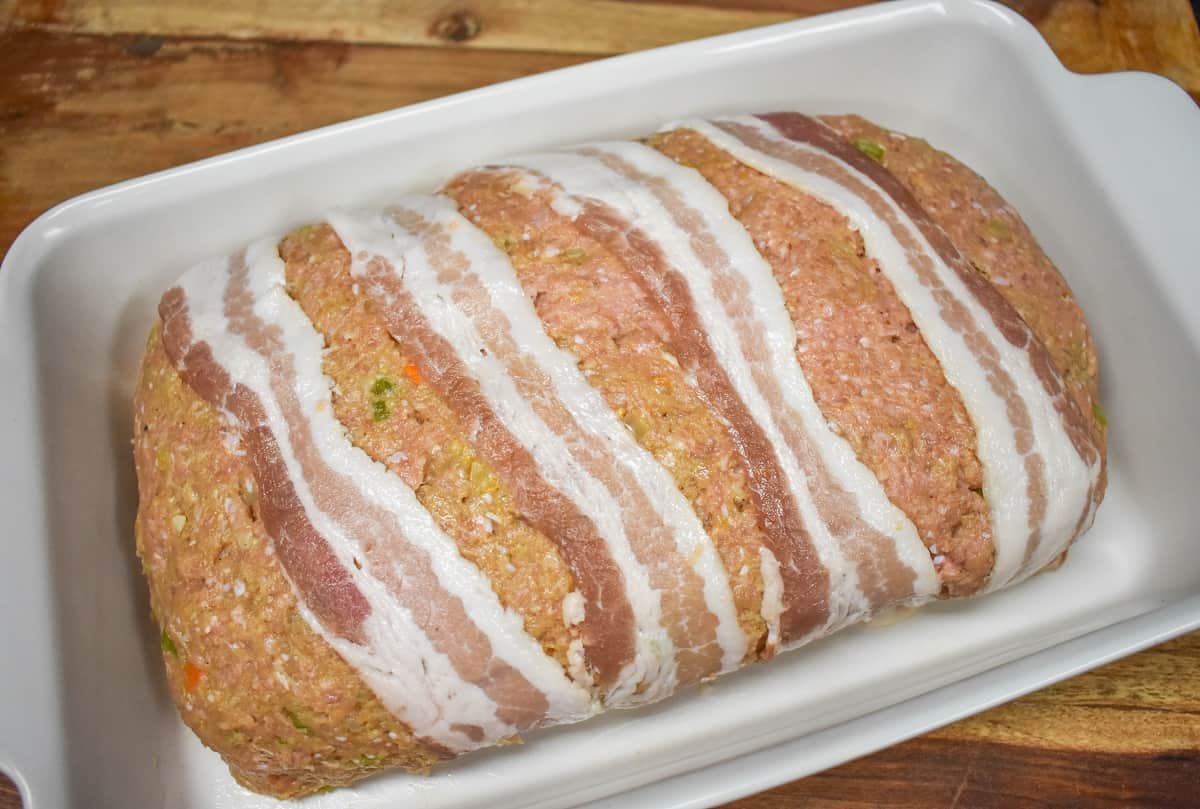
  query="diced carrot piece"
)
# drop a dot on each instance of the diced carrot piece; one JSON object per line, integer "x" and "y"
{"x": 191, "y": 676}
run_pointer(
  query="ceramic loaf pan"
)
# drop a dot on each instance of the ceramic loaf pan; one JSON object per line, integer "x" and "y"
{"x": 1098, "y": 167}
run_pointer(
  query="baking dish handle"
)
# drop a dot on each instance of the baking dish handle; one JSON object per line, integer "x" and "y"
{"x": 1140, "y": 131}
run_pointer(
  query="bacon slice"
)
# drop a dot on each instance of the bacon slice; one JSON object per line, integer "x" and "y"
{"x": 889, "y": 563}
{"x": 1032, "y": 439}
{"x": 606, "y": 206}
{"x": 444, "y": 286}
{"x": 381, "y": 583}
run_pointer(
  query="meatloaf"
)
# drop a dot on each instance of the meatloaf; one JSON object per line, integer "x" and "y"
{"x": 592, "y": 426}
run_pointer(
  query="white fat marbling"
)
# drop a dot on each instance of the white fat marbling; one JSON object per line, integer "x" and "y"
{"x": 772, "y": 597}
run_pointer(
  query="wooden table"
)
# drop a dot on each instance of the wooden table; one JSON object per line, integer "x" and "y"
{"x": 95, "y": 91}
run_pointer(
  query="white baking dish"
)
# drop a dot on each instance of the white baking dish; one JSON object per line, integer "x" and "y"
{"x": 1105, "y": 169}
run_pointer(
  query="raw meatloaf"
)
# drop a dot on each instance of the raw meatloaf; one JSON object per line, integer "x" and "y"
{"x": 592, "y": 426}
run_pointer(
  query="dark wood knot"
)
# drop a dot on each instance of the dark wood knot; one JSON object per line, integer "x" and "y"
{"x": 457, "y": 26}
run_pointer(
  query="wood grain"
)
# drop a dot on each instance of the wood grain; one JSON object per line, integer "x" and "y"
{"x": 96, "y": 91}
{"x": 930, "y": 772}
{"x": 1089, "y": 36}
{"x": 594, "y": 27}
{"x": 1159, "y": 36}
{"x": 80, "y": 112}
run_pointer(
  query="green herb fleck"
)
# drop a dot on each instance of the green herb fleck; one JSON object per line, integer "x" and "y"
{"x": 505, "y": 242}
{"x": 295, "y": 720}
{"x": 380, "y": 410}
{"x": 367, "y": 760}
{"x": 870, "y": 148}
{"x": 575, "y": 255}
{"x": 168, "y": 645}
{"x": 323, "y": 790}
{"x": 1101, "y": 416}
{"x": 998, "y": 229}
{"x": 382, "y": 385}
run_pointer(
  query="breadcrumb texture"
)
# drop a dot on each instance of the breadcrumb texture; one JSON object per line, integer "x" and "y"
{"x": 990, "y": 233}
{"x": 246, "y": 671}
